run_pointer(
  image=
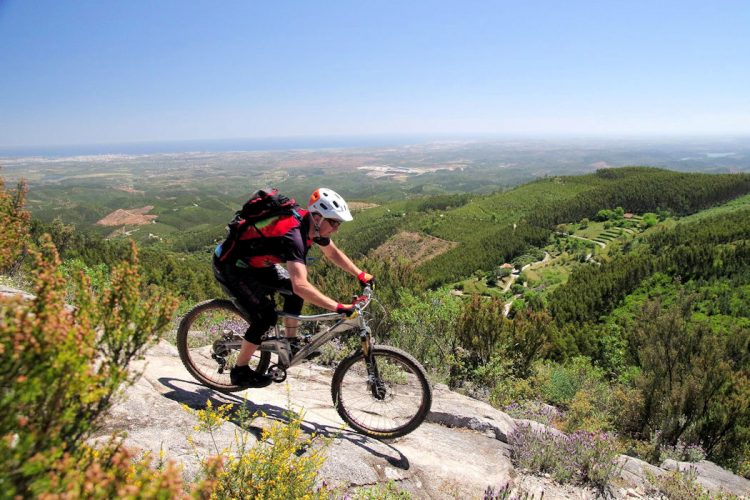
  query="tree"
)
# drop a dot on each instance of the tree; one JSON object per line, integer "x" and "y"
{"x": 649, "y": 220}
{"x": 692, "y": 378}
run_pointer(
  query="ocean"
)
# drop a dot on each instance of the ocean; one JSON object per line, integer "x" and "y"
{"x": 221, "y": 145}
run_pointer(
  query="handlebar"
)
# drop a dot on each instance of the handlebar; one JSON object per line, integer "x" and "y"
{"x": 360, "y": 302}
{"x": 364, "y": 299}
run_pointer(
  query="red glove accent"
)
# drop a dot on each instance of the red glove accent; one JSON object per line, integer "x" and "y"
{"x": 347, "y": 310}
{"x": 365, "y": 278}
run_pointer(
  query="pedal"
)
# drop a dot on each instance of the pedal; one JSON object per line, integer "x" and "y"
{"x": 277, "y": 373}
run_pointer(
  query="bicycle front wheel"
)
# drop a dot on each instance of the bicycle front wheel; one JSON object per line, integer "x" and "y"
{"x": 385, "y": 395}
{"x": 209, "y": 339}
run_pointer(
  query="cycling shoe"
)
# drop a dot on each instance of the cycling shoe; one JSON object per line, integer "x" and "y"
{"x": 244, "y": 376}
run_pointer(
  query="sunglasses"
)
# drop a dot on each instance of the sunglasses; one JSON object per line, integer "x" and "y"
{"x": 333, "y": 223}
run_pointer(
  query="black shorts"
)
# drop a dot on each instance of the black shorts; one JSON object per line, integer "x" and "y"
{"x": 253, "y": 291}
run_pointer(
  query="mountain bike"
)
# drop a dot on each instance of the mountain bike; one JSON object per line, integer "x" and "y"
{"x": 378, "y": 390}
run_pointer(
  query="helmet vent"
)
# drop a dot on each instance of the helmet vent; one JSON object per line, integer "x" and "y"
{"x": 324, "y": 206}
{"x": 335, "y": 204}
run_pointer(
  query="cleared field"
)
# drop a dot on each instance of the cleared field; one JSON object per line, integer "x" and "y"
{"x": 416, "y": 247}
{"x": 361, "y": 205}
{"x": 132, "y": 217}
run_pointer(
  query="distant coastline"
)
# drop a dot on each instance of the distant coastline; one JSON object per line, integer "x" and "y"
{"x": 224, "y": 145}
{"x": 719, "y": 148}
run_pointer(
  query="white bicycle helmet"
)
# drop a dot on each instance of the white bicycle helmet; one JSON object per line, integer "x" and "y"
{"x": 329, "y": 204}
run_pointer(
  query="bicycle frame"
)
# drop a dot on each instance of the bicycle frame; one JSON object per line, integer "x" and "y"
{"x": 280, "y": 345}
{"x": 381, "y": 407}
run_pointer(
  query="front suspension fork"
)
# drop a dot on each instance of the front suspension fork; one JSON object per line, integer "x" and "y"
{"x": 377, "y": 386}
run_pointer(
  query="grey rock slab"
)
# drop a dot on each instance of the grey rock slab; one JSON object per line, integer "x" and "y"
{"x": 712, "y": 477}
{"x": 455, "y": 410}
{"x": 455, "y": 462}
{"x": 539, "y": 427}
{"x": 634, "y": 473}
{"x": 15, "y": 292}
{"x": 347, "y": 466}
{"x": 457, "y": 453}
{"x": 149, "y": 412}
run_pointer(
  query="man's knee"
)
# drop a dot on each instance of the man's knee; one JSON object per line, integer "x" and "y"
{"x": 260, "y": 322}
{"x": 293, "y": 304}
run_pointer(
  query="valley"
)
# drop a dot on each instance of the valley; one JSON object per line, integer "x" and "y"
{"x": 566, "y": 291}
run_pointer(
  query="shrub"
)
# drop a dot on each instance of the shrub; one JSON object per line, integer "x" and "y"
{"x": 694, "y": 380}
{"x": 508, "y": 389}
{"x": 588, "y": 411}
{"x": 284, "y": 464}
{"x": 60, "y": 366}
{"x": 113, "y": 472}
{"x": 683, "y": 452}
{"x": 582, "y": 457}
{"x": 14, "y": 221}
{"x": 98, "y": 275}
{"x": 678, "y": 485}
{"x": 425, "y": 326}
{"x": 559, "y": 383}
{"x": 649, "y": 220}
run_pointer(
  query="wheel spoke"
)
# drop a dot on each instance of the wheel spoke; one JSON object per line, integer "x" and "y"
{"x": 209, "y": 338}
{"x": 402, "y": 406}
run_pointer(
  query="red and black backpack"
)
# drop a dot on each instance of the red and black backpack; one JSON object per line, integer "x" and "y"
{"x": 265, "y": 216}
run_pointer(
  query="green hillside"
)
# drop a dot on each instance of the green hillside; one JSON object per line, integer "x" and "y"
{"x": 484, "y": 225}
{"x": 630, "y": 315}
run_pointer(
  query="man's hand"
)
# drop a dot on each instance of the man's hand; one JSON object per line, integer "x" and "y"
{"x": 347, "y": 309}
{"x": 366, "y": 279}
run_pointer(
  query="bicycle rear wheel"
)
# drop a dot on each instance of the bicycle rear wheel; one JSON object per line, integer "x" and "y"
{"x": 388, "y": 399}
{"x": 209, "y": 339}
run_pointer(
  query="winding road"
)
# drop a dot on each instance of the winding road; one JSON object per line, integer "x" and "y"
{"x": 514, "y": 277}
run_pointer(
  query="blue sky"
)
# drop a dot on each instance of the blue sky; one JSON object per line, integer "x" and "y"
{"x": 85, "y": 72}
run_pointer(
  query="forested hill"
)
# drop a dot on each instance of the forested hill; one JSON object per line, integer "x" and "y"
{"x": 493, "y": 229}
{"x": 623, "y": 312}
{"x": 481, "y": 232}
{"x": 707, "y": 249}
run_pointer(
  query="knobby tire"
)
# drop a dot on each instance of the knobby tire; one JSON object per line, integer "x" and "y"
{"x": 197, "y": 360}
{"x": 407, "y": 400}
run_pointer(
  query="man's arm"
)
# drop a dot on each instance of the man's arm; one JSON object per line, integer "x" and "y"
{"x": 332, "y": 253}
{"x": 305, "y": 289}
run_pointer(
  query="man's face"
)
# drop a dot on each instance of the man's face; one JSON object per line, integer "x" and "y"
{"x": 328, "y": 227}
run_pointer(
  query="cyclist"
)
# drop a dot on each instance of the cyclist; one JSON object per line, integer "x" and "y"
{"x": 253, "y": 277}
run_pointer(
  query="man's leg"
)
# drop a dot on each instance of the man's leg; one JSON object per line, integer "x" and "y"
{"x": 247, "y": 349}
{"x": 262, "y": 317}
{"x": 292, "y": 303}
{"x": 241, "y": 374}
{"x": 290, "y": 326}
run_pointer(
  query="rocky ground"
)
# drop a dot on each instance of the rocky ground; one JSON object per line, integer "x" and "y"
{"x": 457, "y": 453}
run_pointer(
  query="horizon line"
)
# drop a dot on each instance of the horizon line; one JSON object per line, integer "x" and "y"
{"x": 270, "y": 143}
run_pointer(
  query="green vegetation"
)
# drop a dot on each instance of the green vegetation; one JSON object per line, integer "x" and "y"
{"x": 64, "y": 355}
{"x": 277, "y": 468}
{"x": 647, "y": 338}
{"x": 494, "y": 229}
{"x": 60, "y": 370}
{"x": 583, "y": 458}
